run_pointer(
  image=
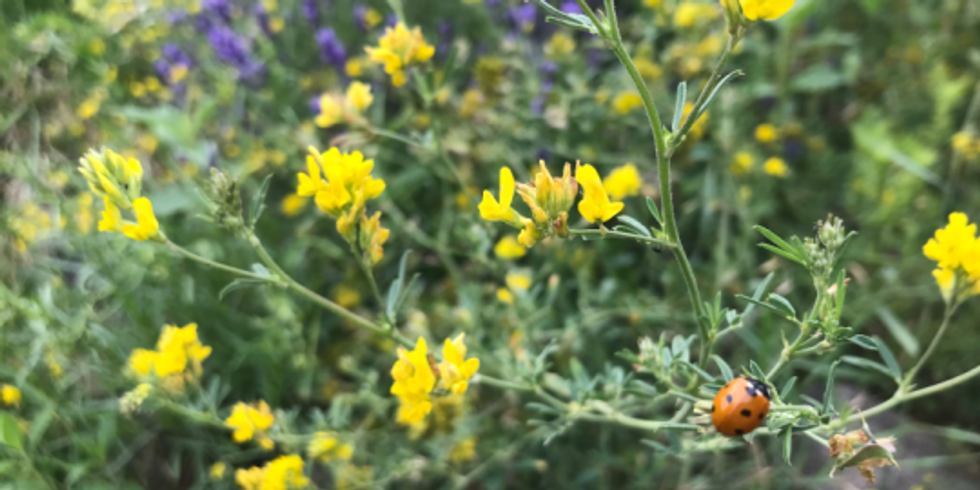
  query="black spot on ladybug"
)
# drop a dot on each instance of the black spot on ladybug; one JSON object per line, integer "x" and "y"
{"x": 728, "y": 398}
{"x": 739, "y": 431}
{"x": 712, "y": 409}
{"x": 746, "y": 413}
{"x": 762, "y": 416}
{"x": 750, "y": 390}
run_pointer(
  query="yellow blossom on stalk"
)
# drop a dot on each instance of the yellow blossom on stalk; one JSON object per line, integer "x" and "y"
{"x": 326, "y": 447}
{"x": 373, "y": 236}
{"x": 505, "y": 296}
{"x": 653, "y": 3}
{"x": 177, "y": 358}
{"x": 284, "y": 472}
{"x": 776, "y": 167}
{"x": 560, "y": 45}
{"x": 146, "y": 226}
{"x": 414, "y": 381}
{"x": 595, "y": 206}
{"x": 455, "y": 370}
{"x": 741, "y": 163}
{"x": 649, "y": 70}
{"x": 331, "y": 111}
{"x": 398, "y": 48}
{"x": 359, "y": 96}
{"x": 348, "y": 176}
{"x": 766, "y": 133}
{"x": 508, "y": 248}
{"x": 491, "y": 210}
{"x": 372, "y": 18}
{"x": 217, "y": 471}
{"x": 956, "y": 249}
{"x": 765, "y": 9}
{"x": 626, "y": 102}
{"x": 251, "y": 421}
{"x": 965, "y": 145}
{"x": 623, "y": 181}
{"x": 530, "y": 235}
{"x": 10, "y": 394}
{"x": 89, "y": 107}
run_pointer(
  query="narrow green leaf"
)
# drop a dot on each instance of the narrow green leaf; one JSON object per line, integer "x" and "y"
{"x": 395, "y": 289}
{"x": 677, "y": 426}
{"x": 787, "y": 438}
{"x": 679, "y": 107}
{"x": 40, "y": 425}
{"x": 864, "y": 342}
{"x": 726, "y": 370}
{"x": 828, "y": 393}
{"x": 788, "y": 387}
{"x": 783, "y": 304}
{"x": 714, "y": 93}
{"x": 10, "y": 434}
{"x": 657, "y": 446}
{"x": 654, "y": 210}
{"x": 759, "y": 303}
{"x": 898, "y": 330}
{"x": 889, "y": 358}
{"x": 774, "y": 238}
{"x": 685, "y": 396}
{"x": 782, "y": 253}
{"x": 701, "y": 372}
{"x": 868, "y": 364}
{"x": 757, "y": 372}
{"x": 635, "y": 225}
{"x": 237, "y": 284}
{"x": 258, "y": 202}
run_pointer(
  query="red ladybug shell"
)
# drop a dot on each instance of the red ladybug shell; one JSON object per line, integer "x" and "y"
{"x": 740, "y": 406}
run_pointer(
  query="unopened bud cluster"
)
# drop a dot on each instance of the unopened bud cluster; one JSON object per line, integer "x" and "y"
{"x": 822, "y": 252}
{"x": 226, "y": 200}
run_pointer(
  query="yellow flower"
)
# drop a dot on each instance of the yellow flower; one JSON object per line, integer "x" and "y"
{"x": 107, "y": 173}
{"x": 359, "y": 96}
{"x": 354, "y": 67}
{"x": 464, "y": 451}
{"x": 276, "y": 24}
{"x": 146, "y": 226}
{"x": 491, "y": 210}
{"x": 414, "y": 381}
{"x": 96, "y": 47}
{"x": 331, "y": 111}
{"x": 284, "y": 473}
{"x": 626, "y": 102}
{"x": 690, "y": 13}
{"x": 326, "y": 447}
{"x": 348, "y": 180}
{"x": 292, "y": 204}
{"x": 741, "y": 163}
{"x": 398, "y": 48}
{"x": 177, "y": 358}
{"x": 217, "y": 471}
{"x": 10, "y": 394}
{"x": 89, "y": 108}
{"x": 372, "y": 18}
{"x": 623, "y": 181}
{"x": 518, "y": 281}
{"x": 472, "y": 101}
{"x": 508, "y": 248}
{"x": 765, "y": 9}
{"x": 649, "y": 70}
{"x": 595, "y": 206}
{"x": 111, "y": 217}
{"x": 776, "y": 167}
{"x": 455, "y": 370}
{"x": 346, "y": 296}
{"x": 531, "y": 234}
{"x": 653, "y": 3}
{"x": 250, "y": 421}
{"x": 373, "y": 236}
{"x": 766, "y": 133}
{"x": 250, "y": 479}
{"x": 559, "y": 45}
{"x": 956, "y": 250}
{"x": 505, "y": 296}
{"x": 141, "y": 361}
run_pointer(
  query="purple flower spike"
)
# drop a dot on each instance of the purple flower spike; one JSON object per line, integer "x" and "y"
{"x": 523, "y": 16}
{"x": 310, "y": 11}
{"x": 229, "y": 47}
{"x": 331, "y": 49}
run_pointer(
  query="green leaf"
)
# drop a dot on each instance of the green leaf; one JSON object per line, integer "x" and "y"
{"x": 654, "y": 210}
{"x": 704, "y": 374}
{"x": 10, "y": 434}
{"x": 898, "y": 330}
{"x": 828, "y": 393}
{"x": 237, "y": 284}
{"x": 864, "y": 342}
{"x": 757, "y": 372}
{"x": 787, "y": 437}
{"x": 726, "y": 370}
{"x": 889, "y": 358}
{"x": 868, "y": 364}
{"x": 714, "y": 93}
{"x": 677, "y": 426}
{"x": 783, "y": 305}
{"x": 395, "y": 290}
{"x": 780, "y": 252}
{"x": 657, "y": 446}
{"x": 40, "y": 425}
{"x": 635, "y": 225}
{"x": 258, "y": 202}
{"x": 774, "y": 238}
{"x": 788, "y": 387}
{"x": 679, "y": 107}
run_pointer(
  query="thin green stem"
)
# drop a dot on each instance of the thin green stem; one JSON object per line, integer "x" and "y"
{"x": 789, "y": 352}
{"x": 499, "y": 383}
{"x": 622, "y": 235}
{"x": 678, "y": 139}
{"x": 393, "y": 136}
{"x": 227, "y": 268}
{"x": 910, "y": 375}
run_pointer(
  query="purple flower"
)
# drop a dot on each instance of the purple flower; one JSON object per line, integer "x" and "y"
{"x": 252, "y": 73}
{"x": 331, "y": 49}
{"x": 523, "y": 17}
{"x": 360, "y": 11}
{"x": 310, "y": 11}
{"x": 571, "y": 7}
{"x": 175, "y": 55}
{"x": 263, "y": 18}
{"x": 537, "y": 105}
{"x": 392, "y": 20}
{"x": 315, "y": 104}
{"x": 218, "y": 8}
{"x": 229, "y": 47}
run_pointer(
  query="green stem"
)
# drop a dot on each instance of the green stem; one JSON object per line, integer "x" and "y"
{"x": 678, "y": 139}
{"x": 910, "y": 375}
{"x": 393, "y": 136}
{"x": 789, "y": 352}
{"x": 227, "y": 268}
{"x": 622, "y": 235}
{"x": 499, "y": 383}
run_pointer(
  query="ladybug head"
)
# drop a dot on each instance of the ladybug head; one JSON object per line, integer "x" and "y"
{"x": 757, "y": 387}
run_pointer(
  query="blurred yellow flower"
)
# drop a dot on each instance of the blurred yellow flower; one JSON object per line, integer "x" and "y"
{"x": 455, "y": 371}
{"x": 649, "y": 70}
{"x": 741, "y": 163}
{"x": 398, "y": 48}
{"x": 518, "y": 281}
{"x": 217, "y": 471}
{"x": 653, "y": 3}
{"x": 505, "y": 296}
{"x": 250, "y": 479}
{"x": 560, "y": 45}
{"x": 776, "y": 167}
{"x": 177, "y": 358}
{"x": 348, "y": 180}
{"x": 359, "y": 96}
{"x": 89, "y": 107}
{"x": 146, "y": 226}
{"x": 463, "y": 452}
{"x": 293, "y": 204}
{"x": 96, "y": 47}
{"x": 372, "y": 18}
{"x": 10, "y": 394}
{"x": 372, "y": 237}
{"x": 966, "y": 145}
{"x": 765, "y": 9}
{"x": 508, "y": 248}
{"x": 282, "y": 473}
{"x": 699, "y": 127}
{"x": 595, "y": 206}
{"x": 251, "y": 421}
{"x": 331, "y": 111}
{"x": 766, "y": 133}
{"x": 354, "y": 67}
{"x": 690, "y": 13}
{"x": 623, "y": 182}
{"x": 626, "y": 102}
{"x": 414, "y": 381}
{"x": 471, "y": 102}
{"x": 326, "y": 447}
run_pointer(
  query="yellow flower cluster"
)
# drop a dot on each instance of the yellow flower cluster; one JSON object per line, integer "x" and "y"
{"x": 627, "y": 102}
{"x": 29, "y": 223}
{"x": 966, "y": 145}
{"x": 326, "y": 447}
{"x": 517, "y": 283}
{"x": 176, "y": 360}
{"x": 250, "y": 422}
{"x": 10, "y": 395}
{"x": 416, "y": 377}
{"x": 956, "y": 249}
{"x": 335, "y": 108}
{"x": 282, "y": 473}
{"x": 399, "y": 48}
{"x": 343, "y": 194}
{"x": 688, "y": 14}
{"x": 623, "y": 182}
{"x": 118, "y": 180}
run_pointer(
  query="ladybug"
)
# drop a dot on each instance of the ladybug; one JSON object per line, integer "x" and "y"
{"x": 740, "y": 406}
